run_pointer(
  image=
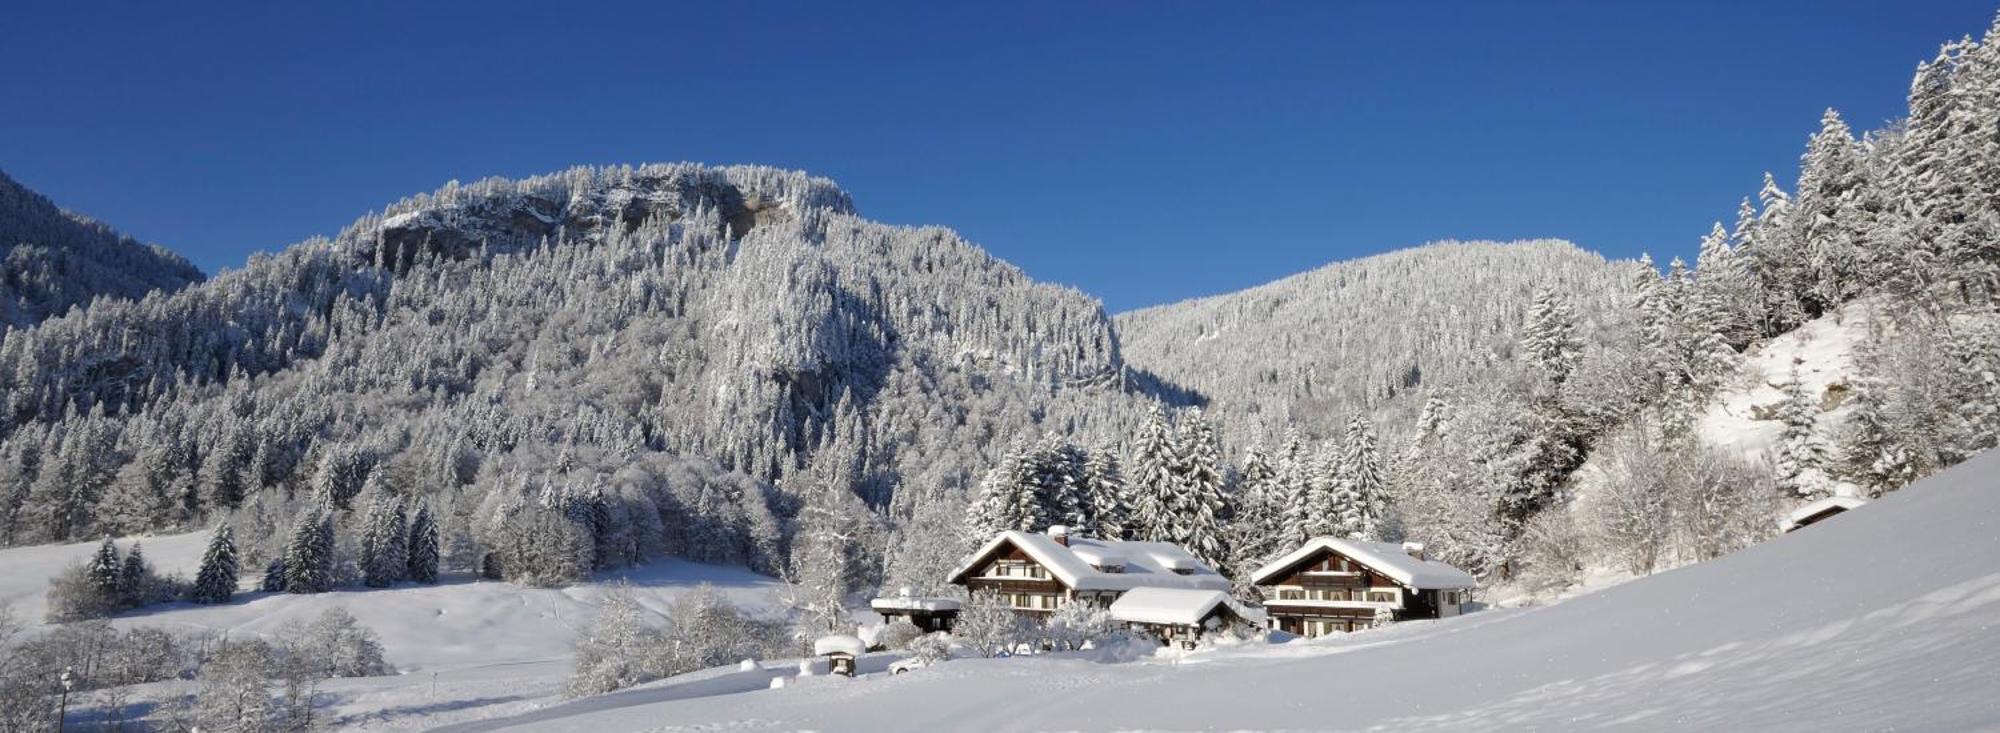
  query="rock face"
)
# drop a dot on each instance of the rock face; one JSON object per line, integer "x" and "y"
{"x": 52, "y": 260}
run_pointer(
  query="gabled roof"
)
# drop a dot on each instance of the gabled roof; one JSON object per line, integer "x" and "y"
{"x": 1387, "y": 558}
{"x": 1176, "y": 606}
{"x": 1816, "y": 509}
{"x": 1146, "y": 564}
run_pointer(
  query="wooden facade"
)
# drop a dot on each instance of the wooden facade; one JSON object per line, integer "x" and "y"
{"x": 1331, "y": 592}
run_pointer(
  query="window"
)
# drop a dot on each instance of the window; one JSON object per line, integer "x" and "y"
{"x": 1291, "y": 594}
{"x": 1381, "y": 596}
{"x": 1019, "y": 569}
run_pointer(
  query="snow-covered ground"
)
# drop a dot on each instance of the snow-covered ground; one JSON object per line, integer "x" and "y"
{"x": 1881, "y": 618}
{"x": 463, "y": 648}
{"x": 1742, "y": 419}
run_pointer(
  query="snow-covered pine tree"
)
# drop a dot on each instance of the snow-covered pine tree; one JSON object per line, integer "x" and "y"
{"x": 1197, "y": 509}
{"x": 1005, "y": 498}
{"x": 308, "y": 554}
{"x": 215, "y": 581}
{"x": 384, "y": 541}
{"x": 1258, "y": 525}
{"x": 1105, "y": 485}
{"x": 1368, "y": 503}
{"x": 132, "y": 576}
{"x": 1155, "y": 458}
{"x": 1327, "y": 499}
{"x": 1828, "y": 218}
{"x": 1549, "y": 338}
{"x": 1801, "y": 454}
{"x": 1297, "y": 490}
{"x": 423, "y": 544}
{"x": 105, "y": 569}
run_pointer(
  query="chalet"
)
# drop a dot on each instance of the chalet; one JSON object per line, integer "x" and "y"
{"x": 1183, "y": 615}
{"x": 1817, "y": 511}
{"x": 1038, "y": 573}
{"x": 1333, "y": 584}
{"x": 928, "y": 614}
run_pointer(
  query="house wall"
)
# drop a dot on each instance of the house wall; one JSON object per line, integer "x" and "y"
{"x": 1029, "y": 595}
{"x": 1329, "y": 575}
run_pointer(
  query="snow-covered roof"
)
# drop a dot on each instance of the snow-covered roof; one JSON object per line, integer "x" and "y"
{"x": 906, "y": 603}
{"x": 1387, "y": 558}
{"x": 839, "y": 644}
{"x": 1177, "y": 606}
{"x": 1146, "y": 564}
{"x": 1813, "y": 509}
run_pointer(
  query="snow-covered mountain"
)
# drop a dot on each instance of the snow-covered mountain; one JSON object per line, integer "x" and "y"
{"x": 52, "y": 260}
{"x": 1309, "y": 350}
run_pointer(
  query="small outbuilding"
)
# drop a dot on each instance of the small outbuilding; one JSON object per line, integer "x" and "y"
{"x": 928, "y": 614}
{"x": 1818, "y": 511}
{"x": 840, "y": 651}
{"x": 1183, "y": 615}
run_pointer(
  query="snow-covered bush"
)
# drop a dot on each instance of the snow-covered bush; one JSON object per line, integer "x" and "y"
{"x": 700, "y": 630}
{"x": 1075, "y": 624}
{"x": 897, "y": 635}
{"x": 987, "y": 626}
{"x": 336, "y": 645}
{"x": 108, "y": 584}
{"x": 930, "y": 648}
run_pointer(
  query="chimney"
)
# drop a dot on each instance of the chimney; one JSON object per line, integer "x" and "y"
{"x": 1060, "y": 534}
{"x": 1416, "y": 549}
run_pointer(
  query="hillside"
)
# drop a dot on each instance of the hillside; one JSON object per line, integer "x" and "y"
{"x": 1780, "y": 636}
{"x": 52, "y": 260}
{"x": 1308, "y": 350}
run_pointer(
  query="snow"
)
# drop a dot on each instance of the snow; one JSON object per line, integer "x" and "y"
{"x": 1147, "y": 564}
{"x": 463, "y": 648}
{"x": 1175, "y": 606}
{"x": 1785, "y": 635}
{"x": 1387, "y": 558}
{"x": 1823, "y": 350}
{"x": 915, "y": 604}
{"x": 839, "y": 644}
{"x": 1815, "y": 508}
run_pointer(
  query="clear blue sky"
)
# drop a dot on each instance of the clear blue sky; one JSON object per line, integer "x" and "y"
{"x": 1142, "y": 152}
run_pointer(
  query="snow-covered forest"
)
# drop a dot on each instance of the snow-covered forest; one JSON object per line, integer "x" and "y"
{"x": 53, "y": 260}
{"x": 537, "y": 380}
{"x": 676, "y": 360}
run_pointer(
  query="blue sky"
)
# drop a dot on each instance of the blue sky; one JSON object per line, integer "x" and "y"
{"x": 1144, "y": 153}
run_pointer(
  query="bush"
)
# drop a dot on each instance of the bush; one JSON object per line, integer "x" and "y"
{"x": 107, "y": 585}
{"x": 701, "y": 630}
{"x": 898, "y": 635}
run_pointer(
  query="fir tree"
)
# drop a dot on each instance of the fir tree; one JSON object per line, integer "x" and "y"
{"x": 384, "y": 542}
{"x": 1154, "y": 480}
{"x": 1801, "y": 455}
{"x": 1362, "y": 472}
{"x": 1197, "y": 508}
{"x": 423, "y": 542}
{"x": 132, "y": 575}
{"x": 106, "y": 570}
{"x": 1550, "y": 339}
{"x": 215, "y": 582}
{"x": 309, "y": 553}
{"x": 1105, "y": 485}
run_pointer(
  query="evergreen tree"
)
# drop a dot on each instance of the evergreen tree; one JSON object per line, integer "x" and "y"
{"x": 1298, "y": 491}
{"x": 215, "y": 582}
{"x": 423, "y": 543}
{"x": 384, "y": 542}
{"x": 106, "y": 570}
{"x": 1258, "y": 526}
{"x": 1801, "y": 455}
{"x": 1362, "y": 471}
{"x": 1105, "y": 485}
{"x": 308, "y": 554}
{"x": 1155, "y": 454}
{"x": 1196, "y": 510}
{"x": 1550, "y": 339}
{"x": 132, "y": 577}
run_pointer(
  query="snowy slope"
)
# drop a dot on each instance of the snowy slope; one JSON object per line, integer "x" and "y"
{"x": 459, "y": 647}
{"x": 1882, "y": 618}
{"x": 1742, "y": 419}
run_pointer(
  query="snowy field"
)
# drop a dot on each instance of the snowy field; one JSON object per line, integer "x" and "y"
{"x": 1882, "y": 618}
{"x": 463, "y": 648}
